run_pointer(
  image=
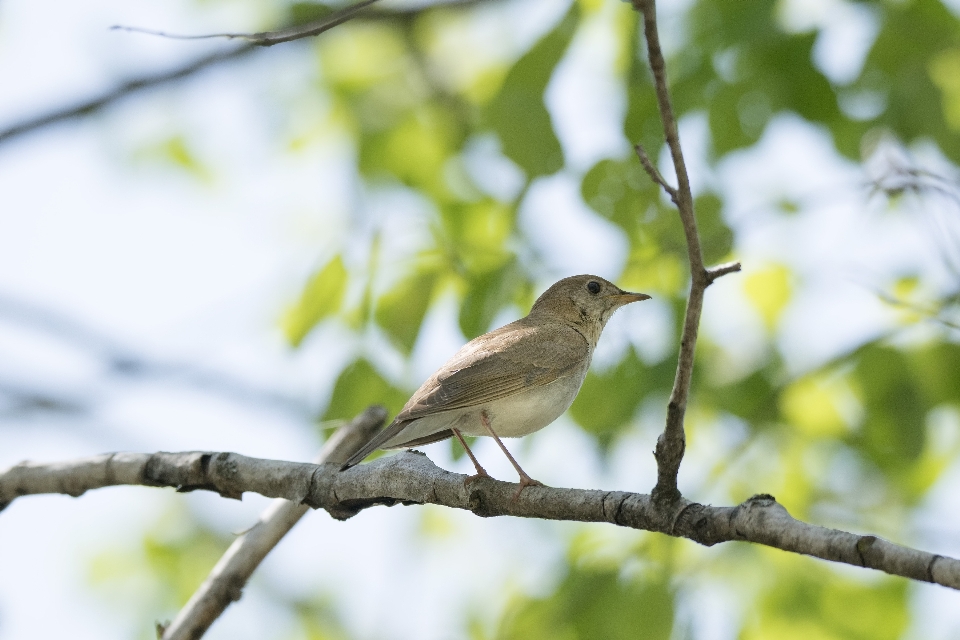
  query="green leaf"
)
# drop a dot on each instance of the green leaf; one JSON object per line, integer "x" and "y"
{"x": 593, "y": 603}
{"x": 901, "y": 67}
{"x": 358, "y": 387}
{"x": 478, "y": 233}
{"x": 769, "y": 290}
{"x": 401, "y": 310}
{"x": 487, "y": 294}
{"x": 641, "y": 122}
{"x": 415, "y": 149}
{"x": 176, "y": 151}
{"x": 938, "y": 367}
{"x": 810, "y": 601}
{"x": 518, "y": 114}
{"x": 321, "y": 297}
{"x": 716, "y": 238}
{"x": 301, "y": 13}
{"x": 174, "y": 558}
{"x": 608, "y": 399}
{"x": 893, "y": 431}
{"x": 618, "y": 190}
{"x": 753, "y": 398}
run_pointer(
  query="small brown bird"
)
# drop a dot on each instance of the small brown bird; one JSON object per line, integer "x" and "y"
{"x": 513, "y": 380}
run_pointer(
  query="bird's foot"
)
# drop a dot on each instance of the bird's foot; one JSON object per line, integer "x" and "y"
{"x": 526, "y": 481}
{"x": 481, "y": 473}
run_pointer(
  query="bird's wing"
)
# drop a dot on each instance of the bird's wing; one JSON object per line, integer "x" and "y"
{"x": 505, "y": 362}
{"x": 495, "y": 365}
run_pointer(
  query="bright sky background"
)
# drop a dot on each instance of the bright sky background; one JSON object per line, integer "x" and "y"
{"x": 184, "y": 271}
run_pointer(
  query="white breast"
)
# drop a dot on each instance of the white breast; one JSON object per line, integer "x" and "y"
{"x": 511, "y": 417}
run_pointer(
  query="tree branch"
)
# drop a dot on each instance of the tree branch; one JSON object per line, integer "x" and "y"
{"x": 148, "y": 81}
{"x": 121, "y": 91}
{"x": 270, "y": 38}
{"x": 672, "y": 442}
{"x": 121, "y": 361}
{"x": 654, "y": 173}
{"x": 227, "y": 579}
{"x": 411, "y": 478}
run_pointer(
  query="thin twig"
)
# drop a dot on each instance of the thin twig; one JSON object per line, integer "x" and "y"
{"x": 122, "y": 361}
{"x": 270, "y": 38}
{"x": 227, "y": 579}
{"x": 653, "y": 172}
{"x": 672, "y": 442}
{"x": 123, "y": 90}
{"x": 411, "y": 478}
{"x": 149, "y": 81}
{"x": 721, "y": 270}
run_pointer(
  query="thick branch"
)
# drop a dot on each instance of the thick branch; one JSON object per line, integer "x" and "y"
{"x": 227, "y": 579}
{"x": 411, "y": 478}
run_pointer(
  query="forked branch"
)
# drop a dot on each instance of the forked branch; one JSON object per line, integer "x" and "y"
{"x": 672, "y": 442}
{"x": 227, "y": 579}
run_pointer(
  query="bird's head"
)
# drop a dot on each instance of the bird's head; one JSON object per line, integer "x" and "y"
{"x": 587, "y": 301}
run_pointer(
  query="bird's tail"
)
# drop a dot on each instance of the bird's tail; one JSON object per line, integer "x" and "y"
{"x": 374, "y": 443}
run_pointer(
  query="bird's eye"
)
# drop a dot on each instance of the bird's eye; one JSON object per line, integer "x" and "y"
{"x": 593, "y": 287}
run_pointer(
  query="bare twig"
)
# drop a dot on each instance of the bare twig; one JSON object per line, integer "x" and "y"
{"x": 148, "y": 81}
{"x": 227, "y": 579}
{"x": 721, "y": 270}
{"x": 653, "y": 172}
{"x": 672, "y": 442}
{"x": 411, "y": 478}
{"x": 122, "y": 90}
{"x": 270, "y": 38}
{"x": 122, "y": 361}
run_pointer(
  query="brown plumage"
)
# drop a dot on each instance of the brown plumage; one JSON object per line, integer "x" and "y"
{"x": 513, "y": 380}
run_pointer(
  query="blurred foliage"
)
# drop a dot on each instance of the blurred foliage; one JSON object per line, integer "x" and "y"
{"x": 604, "y": 595}
{"x": 807, "y": 600}
{"x": 322, "y": 297}
{"x": 359, "y": 386}
{"x": 318, "y": 620}
{"x": 176, "y": 151}
{"x": 414, "y": 101}
{"x": 518, "y": 114}
{"x": 739, "y": 65}
{"x": 593, "y": 604}
{"x": 153, "y": 581}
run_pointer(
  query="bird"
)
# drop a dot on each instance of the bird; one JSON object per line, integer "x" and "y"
{"x": 511, "y": 381}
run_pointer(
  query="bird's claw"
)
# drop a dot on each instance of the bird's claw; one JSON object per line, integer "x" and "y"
{"x": 481, "y": 473}
{"x": 526, "y": 481}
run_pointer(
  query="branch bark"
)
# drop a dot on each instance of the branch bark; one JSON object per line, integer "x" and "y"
{"x": 411, "y": 478}
{"x": 227, "y": 579}
{"x": 672, "y": 442}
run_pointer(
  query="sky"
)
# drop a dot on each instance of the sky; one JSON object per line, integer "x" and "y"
{"x": 194, "y": 273}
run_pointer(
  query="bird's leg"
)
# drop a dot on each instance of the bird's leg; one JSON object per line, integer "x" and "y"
{"x": 525, "y": 480}
{"x": 481, "y": 472}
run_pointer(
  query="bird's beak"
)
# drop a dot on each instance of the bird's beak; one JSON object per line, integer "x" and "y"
{"x": 626, "y": 297}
